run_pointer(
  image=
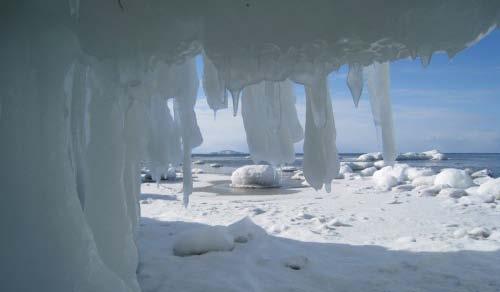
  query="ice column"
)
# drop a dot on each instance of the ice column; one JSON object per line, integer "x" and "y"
{"x": 186, "y": 89}
{"x": 321, "y": 163}
{"x": 271, "y": 122}
{"x": 378, "y": 78}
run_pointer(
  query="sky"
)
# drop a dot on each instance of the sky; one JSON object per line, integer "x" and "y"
{"x": 452, "y": 105}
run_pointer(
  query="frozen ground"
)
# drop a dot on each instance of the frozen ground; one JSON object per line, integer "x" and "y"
{"x": 356, "y": 238}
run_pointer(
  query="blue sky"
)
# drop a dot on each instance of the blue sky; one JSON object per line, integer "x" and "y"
{"x": 452, "y": 105}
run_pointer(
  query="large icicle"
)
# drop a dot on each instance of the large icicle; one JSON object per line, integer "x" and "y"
{"x": 214, "y": 86}
{"x": 378, "y": 76}
{"x": 186, "y": 82}
{"x": 271, "y": 122}
{"x": 321, "y": 163}
{"x": 355, "y": 81}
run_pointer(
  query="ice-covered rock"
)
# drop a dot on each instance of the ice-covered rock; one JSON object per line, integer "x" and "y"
{"x": 454, "y": 178}
{"x": 368, "y": 171}
{"x": 288, "y": 168}
{"x": 452, "y": 193}
{"x": 255, "y": 176}
{"x": 413, "y": 172}
{"x": 197, "y": 171}
{"x": 481, "y": 180}
{"x": 491, "y": 187}
{"x": 375, "y": 156}
{"x": 482, "y": 173}
{"x": 298, "y": 175}
{"x": 215, "y": 165}
{"x": 201, "y": 240}
{"x": 199, "y": 162}
{"x": 427, "y": 155}
{"x": 423, "y": 181}
{"x": 379, "y": 164}
{"x": 356, "y": 166}
{"x": 479, "y": 232}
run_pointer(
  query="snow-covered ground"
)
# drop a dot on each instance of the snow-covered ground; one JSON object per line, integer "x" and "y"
{"x": 356, "y": 238}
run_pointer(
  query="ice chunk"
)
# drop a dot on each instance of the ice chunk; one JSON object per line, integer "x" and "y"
{"x": 355, "y": 82}
{"x": 378, "y": 76}
{"x": 204, "y": 239}
{"x": 454, "y": 178}
{"x": 368, "y": 171}
{"x": 255, "y": 176}
{"x": 481, "y": 173}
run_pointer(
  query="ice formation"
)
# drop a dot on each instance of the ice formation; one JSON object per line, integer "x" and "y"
{"x": 255, "y": 176}
{"x": 86, "y": 91}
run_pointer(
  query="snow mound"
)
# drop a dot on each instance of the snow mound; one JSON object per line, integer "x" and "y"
{"x": 491, "y": 187}
{"x": 423, "y": 181}
{"x": 197, "y": 171}
{"x": 454, "y": 178}
{"x": 201, "y": 240}
{"x": 245, "y": 230}
{"x": 452, "y": 193}
{"x": 255, "y": 176}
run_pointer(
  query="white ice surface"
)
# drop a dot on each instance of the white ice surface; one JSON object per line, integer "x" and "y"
{"x": 355, "y": 238}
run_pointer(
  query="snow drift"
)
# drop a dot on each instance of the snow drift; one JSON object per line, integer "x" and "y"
{"x": 84, "y": 91}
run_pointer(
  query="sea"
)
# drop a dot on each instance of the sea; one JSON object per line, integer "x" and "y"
{"x": 475, "y": 161}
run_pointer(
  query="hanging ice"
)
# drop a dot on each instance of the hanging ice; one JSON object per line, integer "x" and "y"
{"x": 271, "y": 122}
{"x": 321, "y": 164}
{"x": 378, "y": 76}
{"x": 214, "y": 86}
{"x": 355, "y": 81}
{"x": 186, "y": 84}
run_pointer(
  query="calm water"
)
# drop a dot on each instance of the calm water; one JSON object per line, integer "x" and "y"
{"x": 474, "y": 161}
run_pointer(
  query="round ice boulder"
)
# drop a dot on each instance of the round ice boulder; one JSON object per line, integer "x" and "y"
{"x": 202, "y": 240}
{"x": 255, "y": 176}
{"x": 491, "y": 187}
{"x": 454, "y": 178}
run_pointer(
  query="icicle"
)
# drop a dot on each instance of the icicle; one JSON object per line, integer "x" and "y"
{"x": 355, "y": 82}
{"x": 271, "y": 129}
{"x": 425, "y": 59}
{"x": 184, "y": 102}
{"x": 378, "y": 76}
{"x": 74, "y": 8}
{"x": 321, "y": 164}
{"x": 213, "y": 85}
{"x": 235, "y": 95}
{"x": 318, "y": 89}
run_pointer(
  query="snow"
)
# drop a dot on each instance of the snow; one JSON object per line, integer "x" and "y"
{"x": 255, "y": 176}
{"x": 454, "y": 178}
{"x": 202, "y": 240}
{"x": 370, "y": 157}
{"x": 315, "y": 241}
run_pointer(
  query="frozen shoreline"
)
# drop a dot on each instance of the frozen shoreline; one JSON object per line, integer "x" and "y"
{"x": 357, "y": 237}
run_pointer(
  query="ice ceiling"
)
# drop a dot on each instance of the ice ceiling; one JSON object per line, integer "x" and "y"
{"x": 83, "y": 100}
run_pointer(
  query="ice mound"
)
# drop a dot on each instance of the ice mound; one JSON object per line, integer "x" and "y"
{"x": 245, "y": 230}
{"x": 390, "y": 176}
{"x": 453, "y": 178}
{"x": 491, "y": 187}
{"x": 255, "y": 176}
{"x": 201, "y": 240}
{"x": 427, "y": 155}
